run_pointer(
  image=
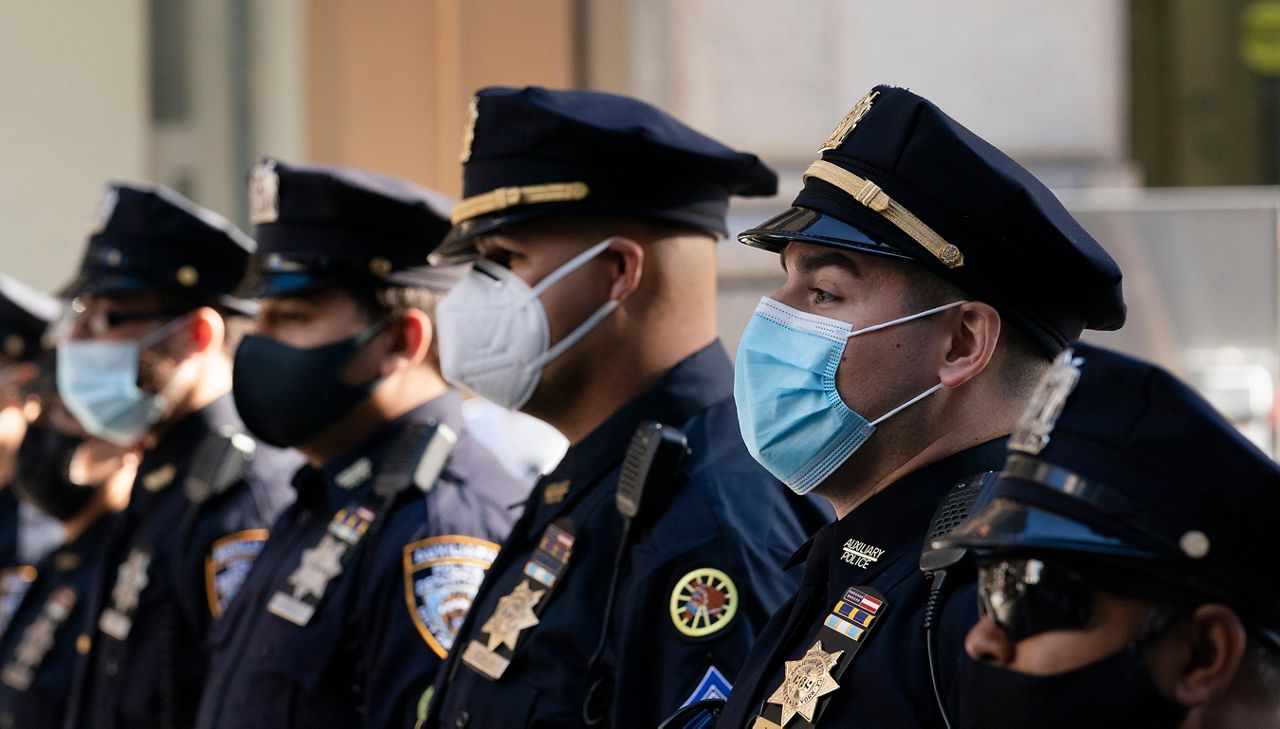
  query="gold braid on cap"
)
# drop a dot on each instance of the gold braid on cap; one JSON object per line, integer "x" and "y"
{"x": 869, "y": 194}
{"x": 509, "y": 197}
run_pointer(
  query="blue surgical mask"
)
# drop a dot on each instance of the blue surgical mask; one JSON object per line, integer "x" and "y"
{"x": 792, "y": 417}
{"x": 98, "y": 383}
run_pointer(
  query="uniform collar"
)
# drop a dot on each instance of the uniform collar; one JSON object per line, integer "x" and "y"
{"x": 165, "y": 465}
{"x": 694, "y": 384}
{"x": 889, "y": 525}
{"x": 351, "y": 473}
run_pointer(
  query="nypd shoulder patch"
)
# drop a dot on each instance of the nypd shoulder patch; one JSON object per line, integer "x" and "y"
{"x": 441, "y": 578}
{"x": 227, "y": 566}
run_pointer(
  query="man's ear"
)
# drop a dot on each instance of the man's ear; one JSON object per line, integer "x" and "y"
{"x": 409, "y": 338}
{"x": 1207, "y": 661}
{"x": 973, "y": 329}
{"x": 206, "y": 332}
{"x": 629, "y": 263}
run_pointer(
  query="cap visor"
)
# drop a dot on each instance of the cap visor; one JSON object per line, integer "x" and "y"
{"x": 1008, "y": 525}
{"x": 811, "y": 226}
{"x": 459, "y": 244}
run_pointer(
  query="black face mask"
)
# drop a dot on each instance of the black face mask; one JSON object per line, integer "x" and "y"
{"x": 287, "y": 396}
{"x": 44, "y": 473}
{"x": 1116, "y": 691}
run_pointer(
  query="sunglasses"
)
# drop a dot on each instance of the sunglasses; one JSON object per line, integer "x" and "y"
{"x": 1026, "y": 597}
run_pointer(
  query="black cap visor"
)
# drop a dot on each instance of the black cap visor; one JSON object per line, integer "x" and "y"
{"x": 810, "y": 226}
{"x": 1007, "y": 525}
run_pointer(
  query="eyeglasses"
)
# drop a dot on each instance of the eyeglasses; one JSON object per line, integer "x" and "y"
{"x": 97, "y": 322}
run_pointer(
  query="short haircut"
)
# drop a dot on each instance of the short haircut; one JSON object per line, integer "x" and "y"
{"x": 1020, "y": 360}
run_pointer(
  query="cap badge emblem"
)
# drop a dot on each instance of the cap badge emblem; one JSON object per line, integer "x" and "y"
{"x": 849, "y": 122}
{"x": 1032, "y": 432}
{"x": 264, "y": 194}
{"x": 103, "y": 212}
{"x": 469, "y": 134}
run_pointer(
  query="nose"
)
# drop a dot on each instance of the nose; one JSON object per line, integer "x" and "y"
{"x": 987, "y": 643}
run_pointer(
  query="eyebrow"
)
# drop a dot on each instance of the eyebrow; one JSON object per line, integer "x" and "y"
{"x": 808, "y": 264}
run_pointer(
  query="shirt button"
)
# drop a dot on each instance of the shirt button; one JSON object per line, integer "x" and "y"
{"x": 264, "y": 652}
{"x": 111, "y": 667}
{"x": 462, "y": 720}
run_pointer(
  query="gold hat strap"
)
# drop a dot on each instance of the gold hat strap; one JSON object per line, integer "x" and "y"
{"x": 509, "y": 197}
{"x": 869, "y": 194}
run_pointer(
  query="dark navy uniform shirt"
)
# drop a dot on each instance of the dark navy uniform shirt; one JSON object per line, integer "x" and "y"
{"x": 387, "y": 615}
{"x": 15, "y": 577}
{"x": 38, "y": 652}
{"x": 173, "y": 566}
{"x": 719, "y": 543}
{"x": 878, "y": 544}
{"x": 8, "y": 527}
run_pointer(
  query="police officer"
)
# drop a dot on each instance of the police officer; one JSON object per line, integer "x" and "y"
{"x": 928, "y": 280}
{"x": 83, "y": 483}
{"x": 399, "y": 511}
{"x": 1125, "y": 563}
{"x": 624, "y": 590}
{"x": 25, "y": 317}
{"x": 145, "y": 362}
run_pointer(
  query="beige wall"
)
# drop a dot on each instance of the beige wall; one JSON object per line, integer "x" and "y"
{"x": 73, "y": 113}
{"x": 388, "y": 82}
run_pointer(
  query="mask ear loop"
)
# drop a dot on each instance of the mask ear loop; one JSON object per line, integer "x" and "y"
{"x": 585, "y": 327}
{"x": 572, "y": 265}
{"x": 895, "y": 322}
{"x": 905, "y": 319}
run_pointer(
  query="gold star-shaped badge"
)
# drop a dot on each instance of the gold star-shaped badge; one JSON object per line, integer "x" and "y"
{"x": 806, "y": 681}
{"x": 513, "y": 614}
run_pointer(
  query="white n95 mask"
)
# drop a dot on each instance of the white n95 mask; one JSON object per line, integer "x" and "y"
{"x": 494, "y": 337}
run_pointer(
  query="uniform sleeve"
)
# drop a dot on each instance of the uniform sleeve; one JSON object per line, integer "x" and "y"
{"x": 423, "y": 594}
{"x": 685, "y": 631}
{"x": 229, "y": 535}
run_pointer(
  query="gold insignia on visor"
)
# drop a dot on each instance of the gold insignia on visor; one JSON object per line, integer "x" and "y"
{"x": 703, "y": 602}
{"x": 870, "y": 195}
{"x": 806, "y": 681}
{"x": 510, "y": 197}
{"x": 264, "y": 194}
{"x": 1032, "y": 432}
{"x": 849, "y": 122}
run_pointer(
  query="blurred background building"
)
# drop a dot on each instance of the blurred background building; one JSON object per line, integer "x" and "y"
{"x": 1156, "y": 120}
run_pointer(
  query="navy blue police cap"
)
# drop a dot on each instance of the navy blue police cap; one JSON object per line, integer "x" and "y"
{"x": 535, "y": 152}
{"x": 900, "y": 178}
{"x": 1117, "y": 460}
{"x": 149, "y": 239}
{"x": 25, "y": 316}
{"x": 319, "y": 226}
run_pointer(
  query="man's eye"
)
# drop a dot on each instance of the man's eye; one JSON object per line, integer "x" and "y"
{"x": 504, "y": 257}
{"x": 821, "y": 297}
